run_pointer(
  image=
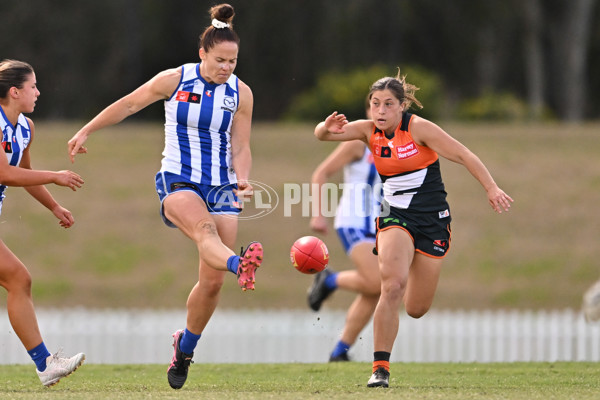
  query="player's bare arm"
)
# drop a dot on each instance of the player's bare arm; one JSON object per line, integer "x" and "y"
{"x": 337, "y": 128}
{"x": 240, "y": 141}
{"x": 428, "y": 134}
{"x": 160, "y": 87}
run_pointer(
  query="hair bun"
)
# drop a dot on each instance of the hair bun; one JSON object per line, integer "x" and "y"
{"x": 223, "y": 13}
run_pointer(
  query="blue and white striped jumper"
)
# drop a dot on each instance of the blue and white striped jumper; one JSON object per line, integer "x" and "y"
{"x": 198, "y": 118}
{"x": 15, "y": 140}
{"x": 359, "y": 204}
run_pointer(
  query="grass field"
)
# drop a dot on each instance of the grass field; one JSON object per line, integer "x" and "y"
{"x": 540, "y": 255}
{"x": 527, "y": 381}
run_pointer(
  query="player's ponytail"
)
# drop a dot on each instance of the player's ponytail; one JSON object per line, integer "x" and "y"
{"x": 409, "y": 92}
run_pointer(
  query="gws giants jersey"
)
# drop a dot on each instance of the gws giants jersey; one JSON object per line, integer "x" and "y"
{"x": 15, "y": 140}
{"x": 198, "y": 118}
{"x": 361, "y": 194}
{"x": 410, "y": 173}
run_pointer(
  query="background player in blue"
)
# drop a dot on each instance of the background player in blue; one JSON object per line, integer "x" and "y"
{"x": 355, "y": 224}
{"x": 205, "y": 168}
{"x": 18, "y": 94}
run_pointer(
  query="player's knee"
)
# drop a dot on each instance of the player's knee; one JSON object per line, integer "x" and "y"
{"x": 212, "y": 289}
{"x": 204, "y": 229}
{"x": 393, "y": 288}
{"x": 416, "y": 311}
{"x": 211, "y": 286}
{"x": 20, "y": 280}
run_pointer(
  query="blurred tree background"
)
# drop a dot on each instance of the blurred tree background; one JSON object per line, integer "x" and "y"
{"x": 492, "y": 59}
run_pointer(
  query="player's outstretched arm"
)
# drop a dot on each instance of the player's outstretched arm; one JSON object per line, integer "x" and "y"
{"x": 337, "y": 128}
{"x": 159, "y": 87}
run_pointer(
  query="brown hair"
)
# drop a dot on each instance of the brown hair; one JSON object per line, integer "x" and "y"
{"x": 212, "y": 35}
{"x": 402, "y": 90}
{"x": 13, "y": 73}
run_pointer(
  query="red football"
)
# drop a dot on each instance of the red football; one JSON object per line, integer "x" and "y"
{"x": 309, "y": 255}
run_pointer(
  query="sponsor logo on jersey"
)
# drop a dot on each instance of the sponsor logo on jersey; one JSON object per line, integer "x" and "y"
{"x": 229, "y": 101}
{"x": 188, "y": 97}
{"x": 228, "y": 104}
{"x": 440, "y": 245}
{"x": 208, "y": 93}
{"x": 407, "y": 151}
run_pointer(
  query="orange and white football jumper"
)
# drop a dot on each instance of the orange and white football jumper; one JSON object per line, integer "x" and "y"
{"x": 414, "y": 197}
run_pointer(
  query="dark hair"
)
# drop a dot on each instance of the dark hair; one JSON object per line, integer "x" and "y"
{"x": 213, "y": 35}
{"x": 402, "y": 90}
{"x": 13, "y": 73}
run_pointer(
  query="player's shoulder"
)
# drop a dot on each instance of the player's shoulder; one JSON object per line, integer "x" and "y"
{"x": 171, "y": 73}
{"x": 29, "y": 122}
{"x": 420, "y": 125}
{"x": 242, "y": 86}
{"x": 417, "y": 121}
{"x": 167, "y": 78}
{"x": 244, "y": 90}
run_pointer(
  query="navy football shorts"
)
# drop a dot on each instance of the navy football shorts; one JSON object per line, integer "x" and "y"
{"x": 350, "y": 237}
{"x": 430, "y": 232}
{"x": 218, "y": 199}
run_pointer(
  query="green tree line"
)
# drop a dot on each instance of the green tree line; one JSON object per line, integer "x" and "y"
{"x": 88, "y": 53}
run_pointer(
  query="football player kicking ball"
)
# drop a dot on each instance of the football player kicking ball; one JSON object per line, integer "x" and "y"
{"x": 204, "y": 171}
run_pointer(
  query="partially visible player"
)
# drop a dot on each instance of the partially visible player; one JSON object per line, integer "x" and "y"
{"x": 205, "y": 169}
{"x": 18, "y": 94}
{"x": 413, "y": 229}
{"x": 591, "y": 303}
{"x": 355, "y": 225}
